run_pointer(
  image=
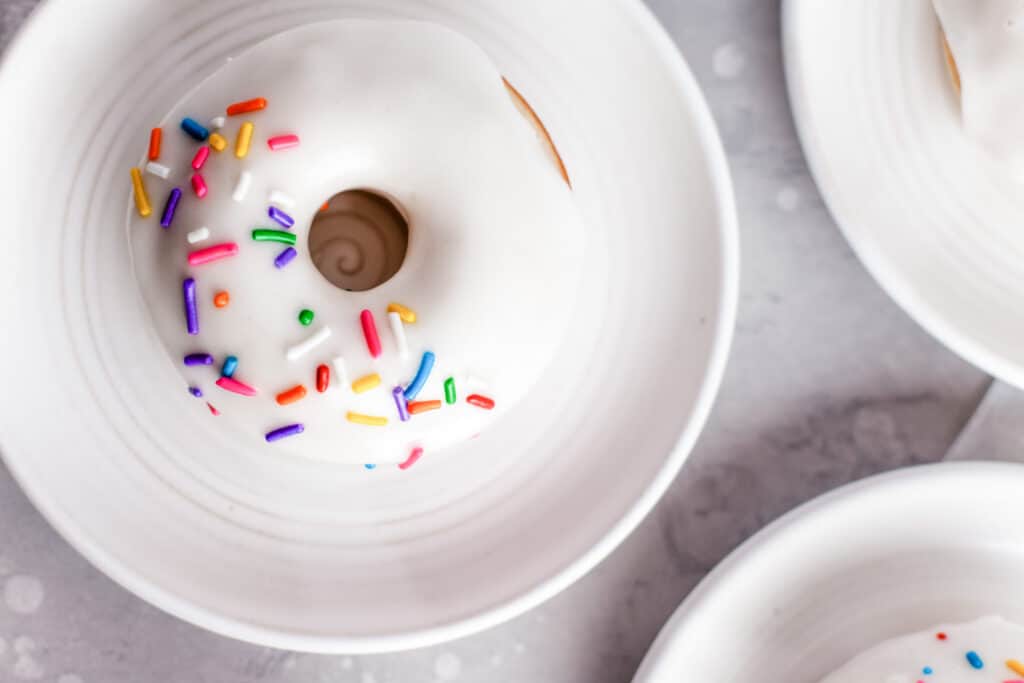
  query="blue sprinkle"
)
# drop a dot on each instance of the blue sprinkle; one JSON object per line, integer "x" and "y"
{"x": 370, "y": 467}
{"x": 285, "y": 257}
{"x": 927, "y": 671}
{"x": 170, "y": 208}
{"x": 196, "y": 391}
{"x": 974, "y": 660}
{"x": 280, "y": 217}
{"x": 194, "y": 129}
{"x": 229, "y": 366}
{"x": 426, "y": 365}
{"x": 198, "y": 359}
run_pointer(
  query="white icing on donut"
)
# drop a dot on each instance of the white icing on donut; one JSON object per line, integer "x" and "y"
{"x": 419, "y": 114}
{"x": 903, "y": 660}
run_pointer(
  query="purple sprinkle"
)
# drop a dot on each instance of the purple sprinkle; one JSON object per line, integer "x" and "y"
{"x": 285, "y": 257}
{"x": 191, "y": 311}
{"x": 170, "y": 207}
{"x": 284, "y": 432}
{"x": 400, "y": 403}
{"x": 198, "y": 359}
{"x": 196, "y": 391}
{"x": 280, "y": 217}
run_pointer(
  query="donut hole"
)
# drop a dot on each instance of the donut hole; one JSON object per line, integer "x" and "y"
{"x": 358, "y": 240}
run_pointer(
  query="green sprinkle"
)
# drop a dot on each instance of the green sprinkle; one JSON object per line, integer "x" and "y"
{"x": 265, "y": 235}
{"x": 305, "y": 316}
{"x": 449, "y": 391}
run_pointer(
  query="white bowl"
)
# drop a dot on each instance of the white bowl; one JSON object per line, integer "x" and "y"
{"x": 305, "y": 555}
{"x": 894, "y": 554}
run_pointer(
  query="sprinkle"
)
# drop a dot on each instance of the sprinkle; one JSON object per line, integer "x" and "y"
{"x": 285, "y": 257}
{"x": 284, "y": 432}
{"x": 304, "y": 347}
{"x": 242, "y": 186}
{"x": 370, "y": 467}
{"x": 416, "y": 454}
{"x": 480, "y": 401}
{"x": 426, "y": 365}
{"x": 217, "y": 122}
{"x": 244, "y": 140}
{"x": 195, "y": 129}
{"x": 155, "y": 136}
{"x": 417, "y": 407}
{"x": 218, "y": 142}
{"x": 281, "y": 199}
{"x": 196, "y": 391}
{"x": 198, "y": 359}
{"x": 370, "y": 333}
{"x": 369, "y": 420}
{"x": 188, "y": 287}
{"x": 449, "y": 391}
{"x": 403, "y": 411}
{"x": 159, "y": 170}
{"x": 325, "y": 206}
{"x": 200, "y": 158}
{"x": 974, "y": 660}
{"x": 199, "y": 185}
{"x": 940, "y": 636}
{"x": 247, "y": 107}
{"x": 365, "y": 383}
{"x": 1015, "y": 666}
{"x": 212, "y": 409}
{"x": 210, "y": 254}
{"x": 280, "y": 217}
{"x": 267, "y": 235}
{"x": 282, "y": 142}
{"x": 398, "y": 332}
{"x": 234, "y": 386}
{"x": 323, "y": 378}
{"x": 408, "y": 315}
{"x": 141, "y": 198}
{"x": 296, "y": 393}
{"x": 170, "y": 207}
{"x": 198, "y": 235}
{"x": 227, "y": 369}
{"x": 305, "y": 317}
{"x": 221, "y": 299}
{"x": 927, "y": 671}
{"x": 339, "y": 368}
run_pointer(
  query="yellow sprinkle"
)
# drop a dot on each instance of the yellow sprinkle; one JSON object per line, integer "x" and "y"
{"x": 217, "y": 142}
{"x": 244, "y": 139}
{"x": 406, "y": 314}
{"x": 364, "y": 384}
{"x": 371, "y": 420}
{"x": 141, "y": 198}
{"x": 1015, "y": 666}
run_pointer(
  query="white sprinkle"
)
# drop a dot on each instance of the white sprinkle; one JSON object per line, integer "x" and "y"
{"x": 340, "y": 371}
{"x": 281, "y": 199}
{"x": 447, "y": 667}
{"x": 728, "y": 61}
{"x": 159, "y": 170}
{"x": 304, "y": 347}
{"x": 242, "y": 188}
{"x": 23, "y": 594}
{"x": 199, "y": 235}
{"x": 217, "y": 122}
{"x": 398, "y": 330}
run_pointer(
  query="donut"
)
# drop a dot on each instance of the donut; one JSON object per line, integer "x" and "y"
{"x": 987, "y": 650}
{"x": 358, "y": 243}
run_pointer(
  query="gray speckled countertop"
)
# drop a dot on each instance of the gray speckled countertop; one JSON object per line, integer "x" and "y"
{"x": 829, "y": 382}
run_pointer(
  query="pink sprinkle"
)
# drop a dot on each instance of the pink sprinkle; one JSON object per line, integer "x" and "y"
{"x": 211, "y": 254}
{"x": 200, "y": 158}
{"x": 411, "y": 460}
{"x": 198, "y": 185}
{"x": 279, "y": 142}
{"x": 212, "y": 409}
{"x": 370, "y": 333}
{"x": 236, "y": 387}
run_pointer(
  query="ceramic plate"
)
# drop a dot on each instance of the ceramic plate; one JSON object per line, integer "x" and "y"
{"x": 936, "y": 222}
{"x": 305, "y": 555}
{"x": 893, "y": 554}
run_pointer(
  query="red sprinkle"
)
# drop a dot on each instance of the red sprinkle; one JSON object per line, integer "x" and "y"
{"x": 199, "y": 185}
{"x": 417, "y": 407}
{"x": 416, "y": 454}
{"x": 236, "y": 387}
{"x": 212, "y": 409}
{"x": 940, "y": 636}
{"x": 296, "y": 393}
{"x": 211, "y": 254}
{"x": 200, "y": 158}
{"x": 323, "y": 378}
{"x": 155, "y": 136}
{"x": 480, "y": 401}
{"x": 247, "y": 106}
{"x": 370, "y": 333}
{"x": 280, "y": 142}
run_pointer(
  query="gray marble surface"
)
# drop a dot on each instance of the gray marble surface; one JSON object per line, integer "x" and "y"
{"x": 829, "y": 382}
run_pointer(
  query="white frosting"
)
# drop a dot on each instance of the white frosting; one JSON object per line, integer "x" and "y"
{"x": 419, "y": 114}
{"x": 903, "y": 660}
{"x": 986, "y": 38}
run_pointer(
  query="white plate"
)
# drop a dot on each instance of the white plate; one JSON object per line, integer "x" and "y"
{"x": 893, "y": 554}
{"x": 939, "y": 225}
{"x": 305, "y": 555}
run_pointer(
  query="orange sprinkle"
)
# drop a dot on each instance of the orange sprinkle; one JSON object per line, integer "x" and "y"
{"x": 324, "y": 207}
{"x": 155, "y": 136}
{"x": 296, "y": 393}
{"x": 1015, "y": 666}
{"x": 221, "y": 299}
{"x": 417, "y": 407}
{"x": 246, "y": 107}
